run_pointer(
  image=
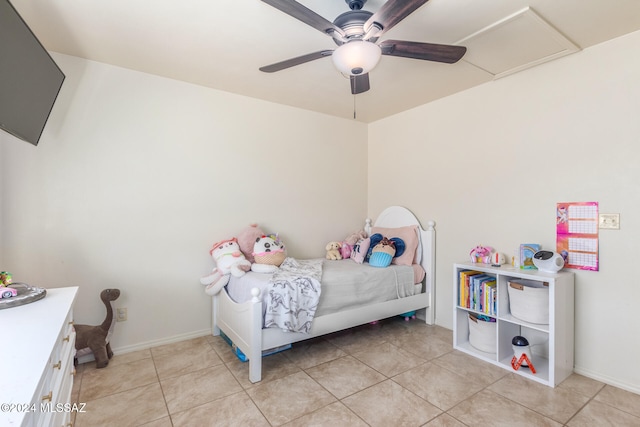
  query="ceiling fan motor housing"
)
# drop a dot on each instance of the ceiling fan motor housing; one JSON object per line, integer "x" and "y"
{"x": 352, "y": 23}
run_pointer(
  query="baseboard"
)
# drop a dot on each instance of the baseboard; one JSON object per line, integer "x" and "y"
{"x": 149, "y": 344}
{"x": 633, "y": 388}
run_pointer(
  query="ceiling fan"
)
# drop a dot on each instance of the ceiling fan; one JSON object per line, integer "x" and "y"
{"x": 356, "y": 33}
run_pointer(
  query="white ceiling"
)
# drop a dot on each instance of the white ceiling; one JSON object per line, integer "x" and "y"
{"x": 222, "y": 43}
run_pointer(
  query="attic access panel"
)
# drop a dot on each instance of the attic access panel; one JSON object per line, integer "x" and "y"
{"x": 515, "y": 43}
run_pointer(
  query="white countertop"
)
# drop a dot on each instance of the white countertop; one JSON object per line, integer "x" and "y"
{"x": 28, "y": 335}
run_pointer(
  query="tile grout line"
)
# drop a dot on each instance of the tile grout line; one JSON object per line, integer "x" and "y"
{"x": 164, "y": 397}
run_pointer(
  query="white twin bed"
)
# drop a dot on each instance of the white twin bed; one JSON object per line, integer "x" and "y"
{"x": 238, "y": 310}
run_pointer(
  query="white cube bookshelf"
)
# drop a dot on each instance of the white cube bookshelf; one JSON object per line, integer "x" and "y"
{"x": 552, "y": 343}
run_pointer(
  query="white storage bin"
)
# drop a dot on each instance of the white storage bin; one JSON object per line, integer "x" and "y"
{"x": 482, "y": 334}
{"x": 529, "y": 301}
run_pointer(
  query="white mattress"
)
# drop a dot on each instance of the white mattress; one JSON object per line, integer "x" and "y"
{"x": 345, "y": 283}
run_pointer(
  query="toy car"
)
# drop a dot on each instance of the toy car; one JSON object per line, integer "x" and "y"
{"x": 8, "y": 292}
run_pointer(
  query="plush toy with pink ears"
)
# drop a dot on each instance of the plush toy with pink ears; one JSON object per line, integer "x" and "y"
{"x": 229, "y": 260}
{"x": 481, "y": 254}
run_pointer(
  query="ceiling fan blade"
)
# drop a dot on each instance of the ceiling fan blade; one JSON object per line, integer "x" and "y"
{"x": 295, "y": 61}
{"x": 360, "y": 83}
{"x": 391, "y": 12}
{"x": 306, "y": 15}
{"x": 426, "y": 51}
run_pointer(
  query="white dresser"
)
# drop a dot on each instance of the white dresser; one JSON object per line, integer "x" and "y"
{"x": 36, "y": 361}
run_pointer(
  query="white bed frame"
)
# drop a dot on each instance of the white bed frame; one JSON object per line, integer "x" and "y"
{"x": 242, "y": 323}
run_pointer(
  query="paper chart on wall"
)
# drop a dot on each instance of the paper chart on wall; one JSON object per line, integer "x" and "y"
{"x": 577, "y": 234}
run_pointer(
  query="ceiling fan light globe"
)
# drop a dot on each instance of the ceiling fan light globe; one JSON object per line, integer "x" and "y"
{"x": 356, "y": 57}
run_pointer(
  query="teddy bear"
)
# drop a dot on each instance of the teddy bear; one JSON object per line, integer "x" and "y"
{"x": 268, "y": 252}
{"x": 229, "y": 261}
{"x": 333, "y": 250}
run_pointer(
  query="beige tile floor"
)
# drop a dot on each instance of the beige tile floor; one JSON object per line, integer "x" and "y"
{"x": 394, "y": 373}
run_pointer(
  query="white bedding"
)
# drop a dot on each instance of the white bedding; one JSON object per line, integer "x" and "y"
{"x": 344, "y": 283}
{"x": 293, "y": 295}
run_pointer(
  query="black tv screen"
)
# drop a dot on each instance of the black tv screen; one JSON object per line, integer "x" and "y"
{"x": 29, "y": 78}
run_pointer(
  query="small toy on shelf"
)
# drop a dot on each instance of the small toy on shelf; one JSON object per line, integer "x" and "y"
{"x": 497, "y": 259}
{"x": 333, "y": 251}
{"x": 481, "y": 254}
{"x": 521, "y": 354}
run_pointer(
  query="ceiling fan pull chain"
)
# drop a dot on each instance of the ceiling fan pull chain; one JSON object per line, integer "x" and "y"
{"x": 354, "y": 107}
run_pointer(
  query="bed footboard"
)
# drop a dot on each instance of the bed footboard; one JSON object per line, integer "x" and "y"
{"x": 242, "y": 323}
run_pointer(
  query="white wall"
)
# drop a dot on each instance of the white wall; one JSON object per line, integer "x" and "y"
{"x": 136, "y": 176}
{"x": 489, "y": 165}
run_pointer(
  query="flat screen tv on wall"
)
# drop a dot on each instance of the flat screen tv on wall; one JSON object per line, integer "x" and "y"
{"x": 29, "y": 78}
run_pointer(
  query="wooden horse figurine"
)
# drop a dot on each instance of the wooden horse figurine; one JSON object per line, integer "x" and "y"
{"x": 96, "y": 338}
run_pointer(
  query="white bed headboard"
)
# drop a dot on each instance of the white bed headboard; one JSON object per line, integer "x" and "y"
{"x": 398, "y": 216}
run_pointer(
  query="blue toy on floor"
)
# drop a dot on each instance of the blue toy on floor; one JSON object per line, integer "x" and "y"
{"x": 408, "y": 315}
{"x": 243, "y": 357}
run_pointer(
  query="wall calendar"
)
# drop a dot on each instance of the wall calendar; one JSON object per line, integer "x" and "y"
{"x": 577, "y": 234}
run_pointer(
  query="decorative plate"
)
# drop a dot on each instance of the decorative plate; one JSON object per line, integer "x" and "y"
{"x": 26, "y": 294}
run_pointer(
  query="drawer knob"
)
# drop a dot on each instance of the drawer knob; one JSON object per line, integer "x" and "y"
{"x": 48, "y": 397}
{"x": 58, "y": 365}
{"x": 66, "y": 338}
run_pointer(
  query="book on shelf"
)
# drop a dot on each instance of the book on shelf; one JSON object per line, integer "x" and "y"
{"x": 490, "y": 298}
{"x": 477, "y": 291}
{"x": 527, "y": 251}
{"x": 463, "y": 293}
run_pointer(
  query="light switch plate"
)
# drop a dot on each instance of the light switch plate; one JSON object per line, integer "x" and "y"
{"x": 609, "y": 221}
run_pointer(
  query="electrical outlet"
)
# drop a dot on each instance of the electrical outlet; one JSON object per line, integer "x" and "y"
{"x": 121, "y": 314}
{"x": 609, "y": 221}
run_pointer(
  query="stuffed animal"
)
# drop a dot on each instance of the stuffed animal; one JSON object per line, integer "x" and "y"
{"x": 333, "y": 250}
{"x": 269, "y": 252}
{"x": 360, "y": 250}
{"x": 247, "y": 238}
{"x": 481, "y": 254}
{"x": 349, "y": 243}
{"x": 229, "y": 260}
{"x": 376, "y": 238}
{"x": 95, "y": 339}
{"x": 382, "y": 253}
